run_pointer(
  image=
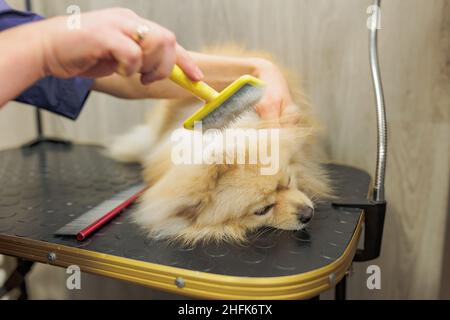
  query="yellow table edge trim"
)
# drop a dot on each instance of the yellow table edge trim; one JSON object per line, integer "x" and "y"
{"x": 197, "y": 284}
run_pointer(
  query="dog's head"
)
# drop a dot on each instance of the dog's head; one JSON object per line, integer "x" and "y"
{"x": 224, "y": 201}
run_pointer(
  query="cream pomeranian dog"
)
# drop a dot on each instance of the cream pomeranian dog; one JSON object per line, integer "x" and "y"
{"x": 225, "y": 200}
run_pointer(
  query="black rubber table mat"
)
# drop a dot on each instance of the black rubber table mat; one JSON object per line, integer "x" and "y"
{"x": 47, "y": 186}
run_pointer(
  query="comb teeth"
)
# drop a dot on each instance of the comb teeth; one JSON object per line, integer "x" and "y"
{"x": 241, "y": 101}
{"x": 90, "y": 217}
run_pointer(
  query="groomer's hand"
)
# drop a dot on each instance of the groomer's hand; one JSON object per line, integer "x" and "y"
{"x": 276, "y": 95}
{"x": 109, "y": 41}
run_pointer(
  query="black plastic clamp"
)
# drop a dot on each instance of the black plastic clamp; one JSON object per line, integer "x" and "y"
{"x": 374, "y": 213}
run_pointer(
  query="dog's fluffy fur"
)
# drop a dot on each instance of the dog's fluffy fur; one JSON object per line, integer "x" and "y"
{"x": 223, "y": 201}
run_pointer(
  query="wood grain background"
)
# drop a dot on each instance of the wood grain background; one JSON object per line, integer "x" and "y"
{"x": 326, "y": 43}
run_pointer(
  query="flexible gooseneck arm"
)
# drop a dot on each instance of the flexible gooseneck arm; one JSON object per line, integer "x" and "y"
{"x": 375, "y": 208}
{"x": 378, "y": 192}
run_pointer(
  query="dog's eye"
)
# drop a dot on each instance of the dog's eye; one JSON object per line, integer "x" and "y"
{"x": 264, "y": 210}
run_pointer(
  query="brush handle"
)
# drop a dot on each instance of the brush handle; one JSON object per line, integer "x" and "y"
{"x": 197, "y": 88}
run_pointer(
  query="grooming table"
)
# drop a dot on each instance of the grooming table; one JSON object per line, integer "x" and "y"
{"x": 48, "y": 185}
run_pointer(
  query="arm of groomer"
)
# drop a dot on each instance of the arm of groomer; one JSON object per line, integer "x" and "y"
{"x": 103, "y": 45}
{"x": 219, "y": 72}
{"x": 21, "y": 62}
{"x": 65, "y": 97}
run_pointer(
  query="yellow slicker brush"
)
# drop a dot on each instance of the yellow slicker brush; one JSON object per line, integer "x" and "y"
{"x": 221, "y": 108}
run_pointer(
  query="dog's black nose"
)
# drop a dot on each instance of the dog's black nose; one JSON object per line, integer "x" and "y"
{"x": 305, "y": 214}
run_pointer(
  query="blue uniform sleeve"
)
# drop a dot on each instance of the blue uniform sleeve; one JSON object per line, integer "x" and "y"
{"x": 62, "y": 96}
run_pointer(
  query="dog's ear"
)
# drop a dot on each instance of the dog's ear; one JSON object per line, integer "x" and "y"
{"x": 180, "y": 192}
{"x": 165, "y": 215}
{"x": 188, "y": 212}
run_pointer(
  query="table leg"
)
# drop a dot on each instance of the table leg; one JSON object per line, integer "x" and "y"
{"x": 17, "y": 279}
{"x": 340, "y": 289}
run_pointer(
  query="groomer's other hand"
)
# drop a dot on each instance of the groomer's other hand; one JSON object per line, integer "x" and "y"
{"x": 107, "y": 42}
{"x": 276, "y": 95}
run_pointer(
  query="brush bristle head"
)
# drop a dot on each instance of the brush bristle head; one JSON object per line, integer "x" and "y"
{"x": 241, "y": 101}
